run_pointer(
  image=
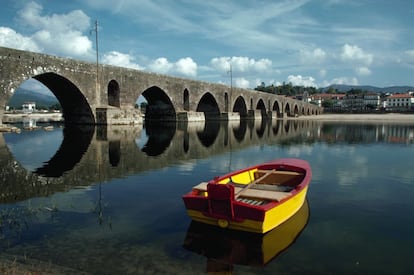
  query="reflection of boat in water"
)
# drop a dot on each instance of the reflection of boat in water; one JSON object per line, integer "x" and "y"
{"x": 254, "y": 199}
{"x": 224, "y": 248}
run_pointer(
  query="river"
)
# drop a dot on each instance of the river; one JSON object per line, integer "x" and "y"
{"x": 107, "y": 200}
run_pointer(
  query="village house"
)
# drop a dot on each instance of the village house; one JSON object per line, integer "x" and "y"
{"x": 372, "y": 101}
{"x": 335, "y": 100}
{"x": 400, "y": 102}
{"x": 29, "y": 107}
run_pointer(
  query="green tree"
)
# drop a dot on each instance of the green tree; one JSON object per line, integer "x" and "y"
{"x": 331, "y": 90}
{"x": 328, "y": 103}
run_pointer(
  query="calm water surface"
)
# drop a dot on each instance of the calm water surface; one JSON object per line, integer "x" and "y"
{"x": 108, "y": 200}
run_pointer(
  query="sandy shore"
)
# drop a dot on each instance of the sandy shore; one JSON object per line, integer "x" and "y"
{"x": 389, "y": 117}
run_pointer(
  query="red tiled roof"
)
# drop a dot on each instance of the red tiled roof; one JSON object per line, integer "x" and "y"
{"x": 400, "y": 96}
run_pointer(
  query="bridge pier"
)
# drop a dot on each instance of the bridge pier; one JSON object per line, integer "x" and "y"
{"x": 116, "y": 116}
{"x": 231, "y": 116}
{"x": 255, "y": 114}
{"x": 200, "y": 116}
{"x": 191, "y": 116}
{"x": 272, "y": 115}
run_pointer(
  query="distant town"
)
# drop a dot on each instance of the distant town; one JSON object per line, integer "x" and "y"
{"x": 362, "y": 102}
{"x": 29, "y": 107}
{"x": 353, "y": 100}
{"x": 30, "y": 116}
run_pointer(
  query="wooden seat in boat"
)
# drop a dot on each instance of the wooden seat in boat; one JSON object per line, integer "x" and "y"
{"x": 279, "y": 177}
{"x": 252, "y": 192}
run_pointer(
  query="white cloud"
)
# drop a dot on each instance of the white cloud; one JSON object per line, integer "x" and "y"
{"x": 70, "y": 43}
{"x": 241, "y": 64}
{"x": 75, "y": 20}
{"x": 363, "y": 71}
{"x": 354, "y": 53}
{"x": 184, "y": 66}
{"x": 316, "y": 56}
{"x": 55, "y": 33}
{"x": 269, "y": 82}
{"x": 241, "y": 82}
{"x": 160, "y": 65}
{"x": 11, "y": 39}
{"x": 341, "y": 80}
{"x": 322, "y": 72}
{"x": 120, "y": 59}
{"x": 298, "y": 80}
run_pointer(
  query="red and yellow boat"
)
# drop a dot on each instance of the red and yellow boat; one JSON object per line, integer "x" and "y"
{"x": 254, "y": 199}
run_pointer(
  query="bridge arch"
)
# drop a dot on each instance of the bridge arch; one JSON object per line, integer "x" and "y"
{"x": 113, "y": 94}
{"x": 296, "y": 110}
{"x": 276, "y": 108}
{"x": 287, "y": 109}
{"x": 208, "y": 105}
{"x": 261, "y": 106}
{"x": 186, "y": 100}
{"x": 159, "y": 105}
{"x": 75, "y": 107}
{"x": 240, "y": 107}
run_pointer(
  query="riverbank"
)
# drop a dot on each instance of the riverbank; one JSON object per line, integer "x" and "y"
{"x": 39, "y": 117}
{"x": 388, "y": 117}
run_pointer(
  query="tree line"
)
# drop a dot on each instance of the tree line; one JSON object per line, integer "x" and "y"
{"x": 287, "y": 89}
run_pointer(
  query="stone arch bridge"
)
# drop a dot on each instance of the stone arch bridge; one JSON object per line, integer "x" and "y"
{"x": 100, "y": 94}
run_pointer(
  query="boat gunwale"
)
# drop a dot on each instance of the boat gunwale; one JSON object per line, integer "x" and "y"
{"x": 300, "y": 165}
{"x": 287, "y": 164}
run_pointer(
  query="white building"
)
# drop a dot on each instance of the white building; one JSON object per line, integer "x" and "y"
{"x": 400, "y": 102}
{"x": 372, "y": 100}
{"x": 29, "y": 107}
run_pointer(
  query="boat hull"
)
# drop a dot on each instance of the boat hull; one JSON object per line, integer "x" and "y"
{"x": 219, "y": 204}
{"x": 273, "y": 217}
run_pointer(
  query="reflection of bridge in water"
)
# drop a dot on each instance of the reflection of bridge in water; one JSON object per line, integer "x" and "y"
{"x": 90, "y": 155}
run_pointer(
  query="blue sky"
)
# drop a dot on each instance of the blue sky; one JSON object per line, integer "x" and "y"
{"x": 305, "y": 42}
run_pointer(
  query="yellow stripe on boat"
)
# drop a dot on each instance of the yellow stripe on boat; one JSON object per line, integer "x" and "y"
{"x": 284, "y": 211}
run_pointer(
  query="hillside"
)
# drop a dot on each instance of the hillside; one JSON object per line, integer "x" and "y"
{"x": 22, "y": 95}
{"x": 391, "y": 89}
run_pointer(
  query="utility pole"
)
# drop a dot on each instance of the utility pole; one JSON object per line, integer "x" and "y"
{"x": 97, "y": 93}
{"x": 231, "y": 82}
{"x": 231, "y": 78}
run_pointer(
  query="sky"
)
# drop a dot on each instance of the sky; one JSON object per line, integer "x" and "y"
{"x": 244, "y": 43}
